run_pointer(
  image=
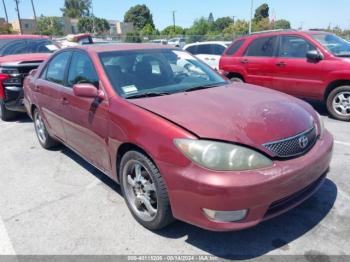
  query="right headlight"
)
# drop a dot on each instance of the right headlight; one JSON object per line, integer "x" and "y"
{"x": 220, "y": 156}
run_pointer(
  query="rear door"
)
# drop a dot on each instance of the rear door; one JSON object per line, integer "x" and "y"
{"x": 210, "y": 54}
{"x": 86, "y": 119}
{"x": 48, "y": 92}
{"x": 294, "y": 74}
{"x": 258, "y": 61}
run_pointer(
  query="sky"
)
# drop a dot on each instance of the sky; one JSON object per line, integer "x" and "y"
{"x": 308, "y": 13}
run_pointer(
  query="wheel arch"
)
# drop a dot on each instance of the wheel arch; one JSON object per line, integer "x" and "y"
{"x": 235, "y": 74}
{"x": 333, "y": 85}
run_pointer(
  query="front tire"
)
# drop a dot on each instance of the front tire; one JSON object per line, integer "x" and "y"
{"x": 45, "y": 140}
{"x": 338, "y": 103}
{"x": 5, "y": 114}
{"x": 144, "y": 191}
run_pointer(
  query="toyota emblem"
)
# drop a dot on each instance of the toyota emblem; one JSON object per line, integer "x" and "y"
{"x": 303, "y": 142}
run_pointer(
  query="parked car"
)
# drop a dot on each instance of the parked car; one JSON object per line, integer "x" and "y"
{"x": 209, "y": 52}
{"x": 177, "y": 42}
{"x": 19, "y": 54}
{"x": 306, "y": 64}
{"x": 74, "y": 40}
{"x": 160, "y": 41}
{"x": 183, "y": 144}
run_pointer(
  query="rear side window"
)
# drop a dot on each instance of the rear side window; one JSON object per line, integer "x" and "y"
{"x": 192, "y": 49}
{"x": 56, "y": 68}
{"x": 263, "y": 47}
{"x": 26, "y": 46}
{"x": 217, "y": 49}
{"x": 204, "y": 50}
{"x": 234, "y": 47}
{"x": 82, "y": 70}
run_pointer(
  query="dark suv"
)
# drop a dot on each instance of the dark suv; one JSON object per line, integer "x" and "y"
{"x": 18, "y": 56}
{"x": 306, "y": 64}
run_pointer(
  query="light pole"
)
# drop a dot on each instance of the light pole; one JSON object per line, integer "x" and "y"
{"x": 93, "y": 18}
{"x": 33, "y": 10}
{"x": 7, "y": 19}
{"x": 251, "y": 16}
{"x": 19, "y": 18}
{"x": 174, "y": 20}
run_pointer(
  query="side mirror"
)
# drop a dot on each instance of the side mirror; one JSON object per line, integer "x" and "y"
{"x": 33, "y": 72}
{"x": 314, "y": 56}
{"x": 88, "y": 91}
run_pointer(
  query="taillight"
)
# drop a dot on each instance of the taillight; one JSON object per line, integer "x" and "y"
{"x": 2, "y": 91}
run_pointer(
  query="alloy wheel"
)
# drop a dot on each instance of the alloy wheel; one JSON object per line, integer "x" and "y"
{"x": 341, "y": 103}
{"x": 40, "y": 128}
{"x": 140, "y": 190}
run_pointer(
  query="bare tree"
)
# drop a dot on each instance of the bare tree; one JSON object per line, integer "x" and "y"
{"x": 7, "y": 19}
{"x": 19, "y": 17}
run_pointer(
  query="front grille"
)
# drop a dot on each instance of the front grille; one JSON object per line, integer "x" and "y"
{"x": 290, "y": 201}
{"x": 293, "y": 146}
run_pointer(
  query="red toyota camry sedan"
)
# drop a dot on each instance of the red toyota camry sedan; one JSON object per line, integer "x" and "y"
{"x": 182, "y": 141}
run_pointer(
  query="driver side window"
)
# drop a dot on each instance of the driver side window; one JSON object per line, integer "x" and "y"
{"x": 82, "y": 70}
{"x": 294, "y": 47}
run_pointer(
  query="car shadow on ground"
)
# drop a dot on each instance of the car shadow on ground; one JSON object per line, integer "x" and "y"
{"x": 250, "y": 243}
{"x": 319, "y": 106}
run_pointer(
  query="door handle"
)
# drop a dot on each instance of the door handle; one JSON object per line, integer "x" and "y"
{"x": 281, "y": 64}
{"x": 206, "y": 58}
{"x": 244, "y": 61}
{"x": 64, "y": 101}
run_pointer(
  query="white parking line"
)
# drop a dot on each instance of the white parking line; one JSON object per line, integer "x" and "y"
{"x": 6, "y": 247}
{"x": 342, "y": 143}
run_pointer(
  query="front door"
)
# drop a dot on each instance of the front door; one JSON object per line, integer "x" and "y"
{"x": 86, "y": 119}
{"x": 294, "y": 74}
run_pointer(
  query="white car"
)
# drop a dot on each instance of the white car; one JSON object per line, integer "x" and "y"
{"x": 177, "y": 42}
{"x": 209, "y": 52}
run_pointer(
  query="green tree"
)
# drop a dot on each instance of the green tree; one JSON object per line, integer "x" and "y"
{"x": 261, "y": 12}
{"x": 76, "y": 8}
{"x": 282, "y": 24}
{"x": 199, "y": 28}
{"x": 133, "y": 37}
{"x": 148, "y": 30}
{"x": 223, "y": 22}
{"x": 261, "y": 25}
{"x": 5, "y": 28}
{"x": 211, "y": 18}
{"x": 49, "y": 25}
{"x": 240, "y": 27}
{"x": 170, "y": 31}
{"x": 140, "y": 16}
{"x": 87, "y": 24}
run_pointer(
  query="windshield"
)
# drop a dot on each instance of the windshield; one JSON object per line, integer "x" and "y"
{"x": 25, "y": 46}
{"x": 157, "y": 72}
{"x": 336, "y": 45}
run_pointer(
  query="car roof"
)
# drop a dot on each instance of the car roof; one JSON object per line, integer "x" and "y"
{"x": 283, "y": 32}
{"x": 120, "y": 47}
{"x": 209, "y": 42}
{"x": 21, "y": 36}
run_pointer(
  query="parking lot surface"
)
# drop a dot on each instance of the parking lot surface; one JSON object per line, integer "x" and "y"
{"x": 54, "y": 203}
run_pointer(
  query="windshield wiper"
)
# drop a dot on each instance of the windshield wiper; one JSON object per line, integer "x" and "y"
{"x": 203, "y": 87}
{"x": 147, "y": 94}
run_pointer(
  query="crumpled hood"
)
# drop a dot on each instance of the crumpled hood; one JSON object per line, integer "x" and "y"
{"x": 16, "y": 59}
{"x": 239, "y": 113}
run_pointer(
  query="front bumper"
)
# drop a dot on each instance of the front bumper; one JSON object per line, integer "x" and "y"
{"x": 14, "y": 98}
{"x": 265, "y": 193}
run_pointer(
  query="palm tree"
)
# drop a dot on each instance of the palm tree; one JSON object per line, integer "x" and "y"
{"x": 76, "y": 8}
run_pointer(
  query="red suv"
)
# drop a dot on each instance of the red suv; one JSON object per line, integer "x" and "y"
{"x": 306, "y": 64}
{"x": 182, "y": 141}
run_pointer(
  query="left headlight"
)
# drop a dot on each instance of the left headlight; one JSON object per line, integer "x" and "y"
{"x": 220, "y": 156}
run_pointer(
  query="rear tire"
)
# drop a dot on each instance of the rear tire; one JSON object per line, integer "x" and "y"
{"x": 236, "y": 79}
{"x": 338, "y": 103}
{"x": 144, "y": 191}
{"x": 45, "y": 140}
{"x": 5, "y": 114}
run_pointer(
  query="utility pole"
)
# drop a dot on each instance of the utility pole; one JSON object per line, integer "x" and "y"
{"x": 19, "y": 18}
{"x": 7, "y": 19}
{"x": 174, "y": 20}
{"x": 93, "y": 18}
{"x": 251, "y": 16}
{"x": 233, "y": 19}
{"x": 33, "y": 10}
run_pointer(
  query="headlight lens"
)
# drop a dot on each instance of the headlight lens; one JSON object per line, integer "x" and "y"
{"x": 320, "y": 120}
{"x": 221, "y": 156}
